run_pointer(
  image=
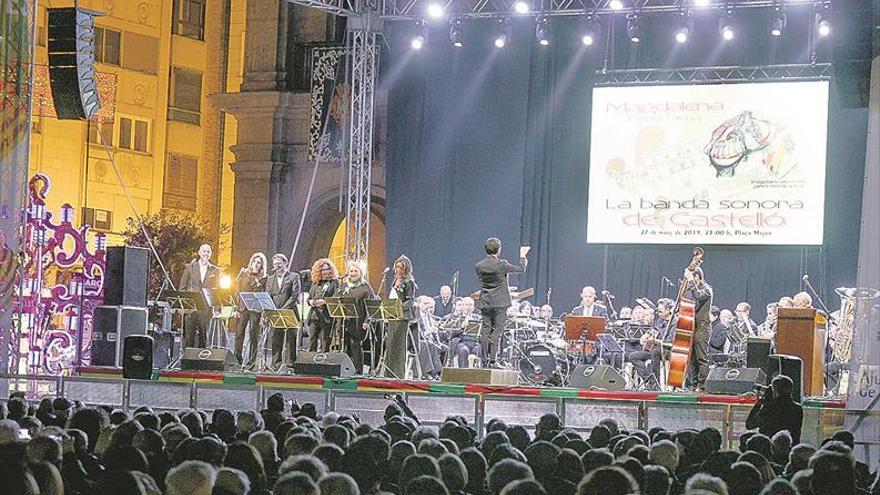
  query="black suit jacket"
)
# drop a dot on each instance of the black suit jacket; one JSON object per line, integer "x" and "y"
{"x": 492, "y": 273}
{"x": 702, "y": 297}
{"x": 191, "y": 280}
{"x": 440, "y": 309}
{"x": 598, "y": 310}
{"x": 284, "y": 296}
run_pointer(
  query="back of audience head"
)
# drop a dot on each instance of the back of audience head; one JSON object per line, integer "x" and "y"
{"x": 231, "y": 481}
{"x": 476, "y": 467}
{"x": 453, "y": 473}
{"x": 295, "y": 483}
{"x": 707, "y": 482}
{"x": 596, "y": 458}
{"x": 190, "y": 478}
{"x": 308, "y": 464}
{"x": 833, "y": 473}
{"x": 524, "y": 487}
{"x": 244, "y": 457}
{"x": 779, "y": 487}
{"x": 745, "y": 479}
{"x": 657, "y": 481}
{"x": 608, "y": 480}
{"x": 338, "y": 484}
{"x": 425, "y": 485}
{"x": 505, "y": 472}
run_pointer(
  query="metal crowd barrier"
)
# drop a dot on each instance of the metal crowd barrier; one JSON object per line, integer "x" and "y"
{"x": 577, "y": 413}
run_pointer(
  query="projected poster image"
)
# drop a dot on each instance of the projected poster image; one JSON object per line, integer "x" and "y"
{"x": 708, "y": 164}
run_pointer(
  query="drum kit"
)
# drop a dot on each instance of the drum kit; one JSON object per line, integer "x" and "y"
{"x": 537, "y": 349}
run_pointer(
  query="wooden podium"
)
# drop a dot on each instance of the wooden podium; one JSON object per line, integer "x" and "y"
{"x": 801, "y": 332}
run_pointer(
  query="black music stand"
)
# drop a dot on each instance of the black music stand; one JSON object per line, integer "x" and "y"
{"x": 222, "y": 301}
{"x": 342, "y": 308}
{"x": 184, "y": 302}
{"x": 607, "y": 343}
{"x": 259, "y": 302}
{"x": 385, "y": 310}
{"x": 283, "y": 319}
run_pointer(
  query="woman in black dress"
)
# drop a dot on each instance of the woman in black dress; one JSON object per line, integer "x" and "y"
{"x": 355, "y": 329}
{"x": 250, "y": 279}
{"x": 403, "y": 288}
{"x": 325, "y": 283}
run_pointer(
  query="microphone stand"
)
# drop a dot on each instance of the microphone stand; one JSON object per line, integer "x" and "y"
{"x": 610, "y": 304}
{"x": 822, "y": 305}
{"x": 454, "y": 284}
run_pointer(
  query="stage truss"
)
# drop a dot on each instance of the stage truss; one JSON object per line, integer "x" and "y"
{"x": 708, "y": 75}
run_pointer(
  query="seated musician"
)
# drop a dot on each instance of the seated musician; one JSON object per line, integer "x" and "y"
{"x": 589, "y": 306}
{"x": 430, "y": 343}
{"x": 718, "y": 330}
{"x": 802, "y": 300}
{"x": 653, "y": 343}
{"x": 463, "y": 346}
{"x": 546, "y": 312}
{"x": 768, "y": 328}
{"x": 743, "y": 318}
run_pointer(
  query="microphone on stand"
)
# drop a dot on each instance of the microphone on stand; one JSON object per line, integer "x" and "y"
{"x": 608, "y": 294}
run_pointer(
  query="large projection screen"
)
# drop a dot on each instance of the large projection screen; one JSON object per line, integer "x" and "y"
{"x": 708, "y": 164}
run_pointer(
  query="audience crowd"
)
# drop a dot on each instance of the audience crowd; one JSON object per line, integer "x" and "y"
{"x": 61, "y": 447}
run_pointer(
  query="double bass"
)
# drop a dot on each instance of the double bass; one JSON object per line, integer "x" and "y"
{"x": 684, "y": 330}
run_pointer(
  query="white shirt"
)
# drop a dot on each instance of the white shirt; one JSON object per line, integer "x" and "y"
{"x": 588, "y": 310}
{"x": 203, "y": 270}
{"x": 280, "y": 278}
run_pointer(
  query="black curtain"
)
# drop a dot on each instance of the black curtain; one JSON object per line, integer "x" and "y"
{"x": 485, "y": 141}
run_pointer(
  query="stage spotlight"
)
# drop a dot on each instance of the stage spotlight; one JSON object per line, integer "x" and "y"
{"x": 823, "y": 26}
{"x": 725, "y": 27}
{"x": 633, "y": 31}
{"x": 225, "y": 281}
{"x": 779, "y": 23}
{"x": 502, "y": 33}
{"x": 616, "y": 4}
{"x": 435, "y": 10}
{"x": 417, "y": 42}
{"x": 455, "y": 34}
{"x": 591, "y": 31}
{"x": 681, "y": 34}
{"x": 542, "y": 31}
{"x": 701, "y": 3}
{"x": 521, "y": 7}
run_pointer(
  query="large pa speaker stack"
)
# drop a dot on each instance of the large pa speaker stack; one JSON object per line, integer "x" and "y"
{"x": 71, "y": 50}
{"x": 127, "y": 273}
{"x": 596, "y": 377}
{"x": 110, "y": 326}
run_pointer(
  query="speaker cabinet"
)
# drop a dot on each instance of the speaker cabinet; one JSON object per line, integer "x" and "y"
{"x": 790, "y": 366}
{"x": 137, "y": 357}
{"x": 125, "y": 282}
{"x": 110, "y": 326}
{"x": 734, "y": 381}
{"x": 71, "y": 50}
{"x": 596, "y": 376}
{"x": 329, "y": 364}
{"x": 757, "y": 353}
{"x": 202, "y": 359}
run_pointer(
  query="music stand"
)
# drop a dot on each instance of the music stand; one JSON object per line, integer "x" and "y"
{"x": 185, "y": 302}
{"x": 283, "y": 319}
{"x": 342, "y": 308}
{"x": 607, "y": 343}
{"x": 383, "y": 310}
{"x": 222, "y": 301}
{"x": 258, "y": 302}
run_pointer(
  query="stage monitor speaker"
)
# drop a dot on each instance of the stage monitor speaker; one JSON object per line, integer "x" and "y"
{"x": 110, "y": 326}
{"x": 71, "y": 50}
{"x": 757, "y": 352}
{"x": 328, "y": 364}
{"x": 125, "y": 282}
{"x": 734, "y": 381}
{"x": 137, "y": 357}
{"x": 596, "y": 376}
{"x": 790, "y": 366}
{"x": 203, "y": 359}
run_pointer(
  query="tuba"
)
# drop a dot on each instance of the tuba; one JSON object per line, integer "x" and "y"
{"x": 841, "y": 348}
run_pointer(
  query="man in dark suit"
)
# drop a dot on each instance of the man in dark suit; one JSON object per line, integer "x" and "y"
{"x": 589, "y": 306}
{"x": 443, "y": 303}
{"x": 495, "y": 294}
{"x": 284, "y": 286}
{"x": 197, "y": 275}
{"x": 701, "y": 293}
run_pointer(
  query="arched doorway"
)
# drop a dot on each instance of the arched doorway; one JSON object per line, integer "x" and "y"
{"x": 376, "y": 261}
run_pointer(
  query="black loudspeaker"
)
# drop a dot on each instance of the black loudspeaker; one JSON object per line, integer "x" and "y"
{"x": 137, "y": 357}
{"x": 790, "y": 366}
{"x": 596, "y": 376}
{"x": 757, "y": 352}
{"x": 734, "y": 381}
{"x": 329, "y": 364}
{"x": 201, "y": 359}
{"x": 110, "y": 326}
{"x": 125, "y": 281}
{"x": 71, "y": 51}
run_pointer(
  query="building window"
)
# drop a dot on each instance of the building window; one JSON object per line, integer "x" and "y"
{"x": 181, "y": 180}
{"x": 108, "y": 44}
{"x": 106, "y": 129}
{"x": 185, "y": 101}
{"x": 133, "y": 134}
{"x": 189, "y": 19}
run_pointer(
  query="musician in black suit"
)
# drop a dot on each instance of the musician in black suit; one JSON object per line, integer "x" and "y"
{"x": 701, "y": 293}
{"x": 653, "y": 344}
{"x": 495, "y": 294}
{"x": 250, "y": 279}
{"x": 354, "y": 330}
{"x": 589, "y": 306}
{"x": 403, "y": 288}
{"x": 325, "y": 283}
{"x": 444, "y": 303}
{"x": 284, "y": 287}
{"x": 197, "y": 275}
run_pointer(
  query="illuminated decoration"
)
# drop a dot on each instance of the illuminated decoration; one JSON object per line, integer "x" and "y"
{"x": 63, "y": 283}
{"x": 44, "y": 104}
{"x": 329, "y": 97}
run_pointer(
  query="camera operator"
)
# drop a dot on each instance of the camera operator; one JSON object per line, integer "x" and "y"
{"x": 776, "y": 410}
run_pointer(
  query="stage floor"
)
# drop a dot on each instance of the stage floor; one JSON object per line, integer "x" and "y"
{"x": 431, "y": 401}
